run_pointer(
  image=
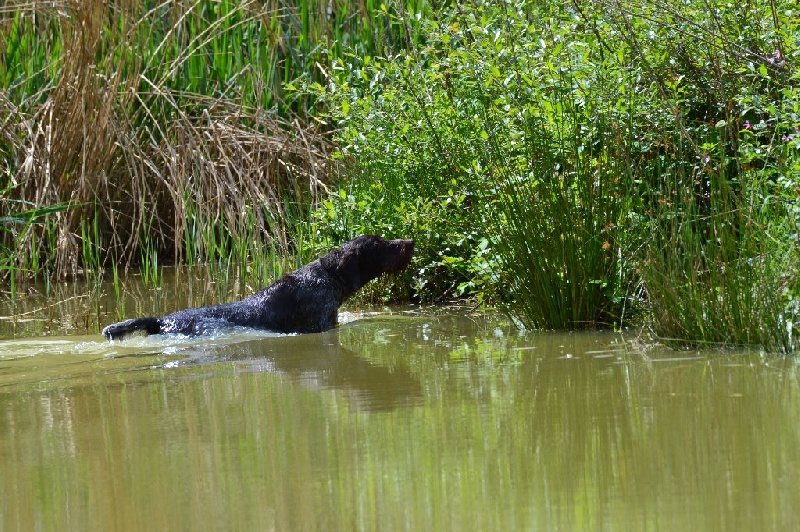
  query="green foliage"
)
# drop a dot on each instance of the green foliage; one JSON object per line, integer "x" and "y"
{"x": 720, "y": 266}
{"x": 413, "y": 178}
{"x": 551, "y": 153}
{"x": 19, "y": 221}
{"x": 168, "y": 114}
{"x": 500, "y": 169}
{"x": 577, "y": 162}
{"x": 718, "y": 169}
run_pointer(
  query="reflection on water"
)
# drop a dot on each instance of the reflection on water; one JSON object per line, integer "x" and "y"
{"x": 414, "y": 419}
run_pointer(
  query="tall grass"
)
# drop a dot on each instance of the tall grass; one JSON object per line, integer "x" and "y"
{"x": 556, "y": 233}
{"x": 721, "y": 273}
{"x": 166, "y": 124}
{"x": 589, "y": 162}
{"x": 719, "y": 260}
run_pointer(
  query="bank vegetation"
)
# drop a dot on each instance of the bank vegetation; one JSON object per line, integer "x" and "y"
{"x": 578, "y": 164}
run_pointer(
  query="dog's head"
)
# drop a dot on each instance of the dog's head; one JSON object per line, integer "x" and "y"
{"x": 366, "y": 257}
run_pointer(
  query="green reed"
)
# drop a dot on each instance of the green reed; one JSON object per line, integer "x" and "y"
{"x": 719, "y": 260}
{"x": 556, "y": 231}
{"x": 587, "y": 163}
{"x": 717, "y": 255}
{"x": 91, "y": 246}
{"x": 29, "y": 228}
{"x": 142, "y": 108}
{"x": 149, "y": 258}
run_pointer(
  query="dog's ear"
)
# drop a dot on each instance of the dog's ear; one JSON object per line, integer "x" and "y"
{"x": 349, "y": 269}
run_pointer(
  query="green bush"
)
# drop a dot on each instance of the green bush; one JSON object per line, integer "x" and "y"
{"x": 460, "y": 145}
{"x": 581, "y": 163}
{"x": 718, "y": 167}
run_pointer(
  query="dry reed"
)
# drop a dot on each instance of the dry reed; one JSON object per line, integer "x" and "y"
{"x": 100, "y": 127}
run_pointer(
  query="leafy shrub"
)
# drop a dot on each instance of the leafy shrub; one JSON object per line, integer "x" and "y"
{"x": 719, "y": 256}
{"x": 461, "y": 145}
{"x": 553, "y": 156}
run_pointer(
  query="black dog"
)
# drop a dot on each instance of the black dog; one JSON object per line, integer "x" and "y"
{"x": 304, "y": 301}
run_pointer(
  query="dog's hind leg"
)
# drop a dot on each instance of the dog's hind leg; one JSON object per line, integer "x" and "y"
{"x": 116, "y": 331}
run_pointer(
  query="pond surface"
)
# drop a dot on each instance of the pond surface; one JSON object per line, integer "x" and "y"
{"x": 401, "y": 419}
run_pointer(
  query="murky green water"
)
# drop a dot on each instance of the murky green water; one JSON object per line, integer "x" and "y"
{"x": 416, "y": 419}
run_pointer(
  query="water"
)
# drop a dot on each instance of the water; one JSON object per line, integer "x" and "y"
{"x": 401, "y": 419}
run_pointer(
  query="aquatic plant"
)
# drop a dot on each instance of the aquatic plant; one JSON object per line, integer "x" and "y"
{"x": 167, "y": 121}
{"x": 587, "y": 163}
{"x": 507, "y": 183}
{"x": 718, "y": 168}
{"x": 579, "y": 164}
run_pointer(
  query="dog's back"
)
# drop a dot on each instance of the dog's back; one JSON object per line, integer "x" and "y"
{"x": 304, "y": 301}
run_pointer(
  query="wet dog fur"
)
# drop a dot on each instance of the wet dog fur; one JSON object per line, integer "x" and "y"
{"x": 304, "y": 301}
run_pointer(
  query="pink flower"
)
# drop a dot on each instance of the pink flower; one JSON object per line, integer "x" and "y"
{"x": 747, "y": 124}
{"x": 776, "y": 59}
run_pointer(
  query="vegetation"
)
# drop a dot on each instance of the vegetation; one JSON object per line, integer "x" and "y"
{"x": 163, "y": 127}
{"x": 577, "y": 164}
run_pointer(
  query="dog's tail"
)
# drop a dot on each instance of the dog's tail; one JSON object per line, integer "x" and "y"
{"x": 115, "y": 331}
